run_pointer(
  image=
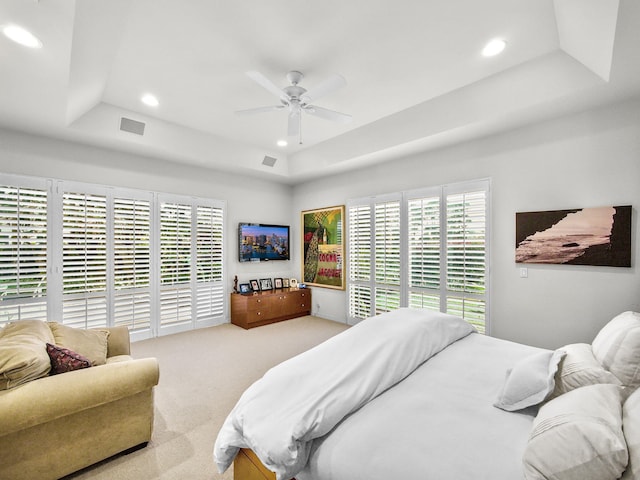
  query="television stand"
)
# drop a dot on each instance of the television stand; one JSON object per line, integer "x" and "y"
{"x": 263, "y": 308}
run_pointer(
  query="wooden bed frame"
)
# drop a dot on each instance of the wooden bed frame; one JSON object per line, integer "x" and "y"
{"x": 247, "y": 466}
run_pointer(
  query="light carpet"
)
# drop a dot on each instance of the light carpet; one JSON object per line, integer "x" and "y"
{"x": 202, "y": 374}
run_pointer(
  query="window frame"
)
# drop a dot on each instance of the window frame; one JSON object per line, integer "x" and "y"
{"x": 55, "y": 295}
{"x": 442, "y": 192}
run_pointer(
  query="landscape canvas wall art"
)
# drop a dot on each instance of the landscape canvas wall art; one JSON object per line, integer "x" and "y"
{"x": 587, "y": 236}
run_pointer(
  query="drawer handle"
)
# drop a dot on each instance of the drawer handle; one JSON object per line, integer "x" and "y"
{"x": 259, "y": 313}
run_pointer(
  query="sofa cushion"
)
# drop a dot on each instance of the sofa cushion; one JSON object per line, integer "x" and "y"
{"x": 65, "y": 360}
{"x": 23, "y": 353}
{"x": 91, "y": 344}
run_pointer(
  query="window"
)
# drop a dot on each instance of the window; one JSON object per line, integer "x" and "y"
{"x": 23, "y": 253}
{"x": 422, "y": 249}
{"x": 94, "y": 256}
{"x": 191, "y": 255}
{"x": 175, "y": 264}
{"x": 359, "y": 257}
{"x": 84, "y": 260}
{"x": 209, "y": 240}
{"x": 132, "y": 263}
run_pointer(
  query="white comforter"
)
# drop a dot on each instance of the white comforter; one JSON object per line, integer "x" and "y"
{"x": 439, "y": 423}
{"x": 308, "y": 395}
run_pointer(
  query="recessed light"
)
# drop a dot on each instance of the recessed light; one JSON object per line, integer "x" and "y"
{"x": 22, "y": 36}
{"x": 282, "y": 143}
{"x": 150, "y": 100}
{"x": 494, "y": 47}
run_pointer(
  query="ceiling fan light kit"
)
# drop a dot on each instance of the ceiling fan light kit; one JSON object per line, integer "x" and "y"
{"x": 297, "y": 99}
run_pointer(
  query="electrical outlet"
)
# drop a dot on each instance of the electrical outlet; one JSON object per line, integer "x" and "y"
{"x": 524, "y": 272}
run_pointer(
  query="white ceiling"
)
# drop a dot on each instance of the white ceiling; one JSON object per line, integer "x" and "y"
{"x": 415, "y": 76}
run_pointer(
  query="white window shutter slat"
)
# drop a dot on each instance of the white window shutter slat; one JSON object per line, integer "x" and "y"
{"x": 23, "y": 253}
{"x": 387, "y": 243}
{"x": 132, "y": 263}
{"x": 84, "y": 259}
{"x": 429, "y": 250}
{"x": 209, "y": 260}
{"x": 95, "y": 256}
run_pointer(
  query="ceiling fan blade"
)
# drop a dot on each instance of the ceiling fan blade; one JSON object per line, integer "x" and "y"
{"x": 328, "y": 114}
{"x": 334, "y": 82}
{"x": 267, "y": 84}
{"x": 293, "y": 128}
{"x": 250, "y": 111}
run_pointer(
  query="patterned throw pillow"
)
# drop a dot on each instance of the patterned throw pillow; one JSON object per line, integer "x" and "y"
{"x": 65, "y": 360}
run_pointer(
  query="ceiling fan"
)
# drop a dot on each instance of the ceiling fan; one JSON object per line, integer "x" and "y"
{"x": 298, "y": 99}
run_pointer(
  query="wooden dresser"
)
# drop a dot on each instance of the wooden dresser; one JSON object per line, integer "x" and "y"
{"x": 262, "y": 308}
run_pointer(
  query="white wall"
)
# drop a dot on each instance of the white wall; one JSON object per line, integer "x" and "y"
{"x": 586, "y": 160}
{"x": 248, "y": 199}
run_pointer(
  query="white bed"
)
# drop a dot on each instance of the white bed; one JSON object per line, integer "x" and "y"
{"x": 421, "y": 428}
{"x": 411, "y": 394}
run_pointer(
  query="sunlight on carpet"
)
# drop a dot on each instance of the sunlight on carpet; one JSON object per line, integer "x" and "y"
{"x": 202, "y": 374}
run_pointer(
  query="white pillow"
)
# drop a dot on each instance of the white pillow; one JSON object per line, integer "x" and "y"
{"x": 530, "y": 381}
{"x": 578, "y": 436}
{"x": 580, "y": 368}
{"x": 631, "y": 429}
{"x": 617, "y": 348}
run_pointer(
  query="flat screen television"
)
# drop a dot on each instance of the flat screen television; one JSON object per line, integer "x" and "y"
{"x": 258, "y": 242}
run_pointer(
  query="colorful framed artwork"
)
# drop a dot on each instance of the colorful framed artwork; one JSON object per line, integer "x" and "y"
{"x": 255, "y": 286}
{"x": 323, "y": 247}
{"x": 584, "y": 236}
{"x": 245, "y": 288}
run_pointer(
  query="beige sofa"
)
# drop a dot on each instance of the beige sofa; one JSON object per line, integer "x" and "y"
{"x": 58, "y": 424}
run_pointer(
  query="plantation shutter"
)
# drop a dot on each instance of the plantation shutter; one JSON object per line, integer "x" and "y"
{"x": 132, "y": 263}
{"x": 387, "y": 256}
{"x": 426, "y": 249}
{"x": 84, "y": 260}
{"x": 424, "y": 252}
{"x": 359, "y": 258}
{"x": 175, "y": 264}
{"x": 97, "y": 256}
{"x": 23, "y": 253}
{"x": 209, "y": 242}
{"x": 466, "y": 256}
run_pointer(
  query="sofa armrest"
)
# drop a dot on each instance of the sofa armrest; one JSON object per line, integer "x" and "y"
{"x": 118, "y": 342}
{"x": 59, "y": 395}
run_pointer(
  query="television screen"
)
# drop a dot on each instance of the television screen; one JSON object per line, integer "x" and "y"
{"x": 258, "y": 242}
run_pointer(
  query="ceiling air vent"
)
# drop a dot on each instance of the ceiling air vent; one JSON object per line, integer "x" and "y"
{"x": 269, "y": 161}
{"x": 131, "y": 126}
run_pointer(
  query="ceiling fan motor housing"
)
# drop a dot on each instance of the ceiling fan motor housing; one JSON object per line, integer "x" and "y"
{"x": 295, "y": 92}
{"x": 295, "y": 77}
